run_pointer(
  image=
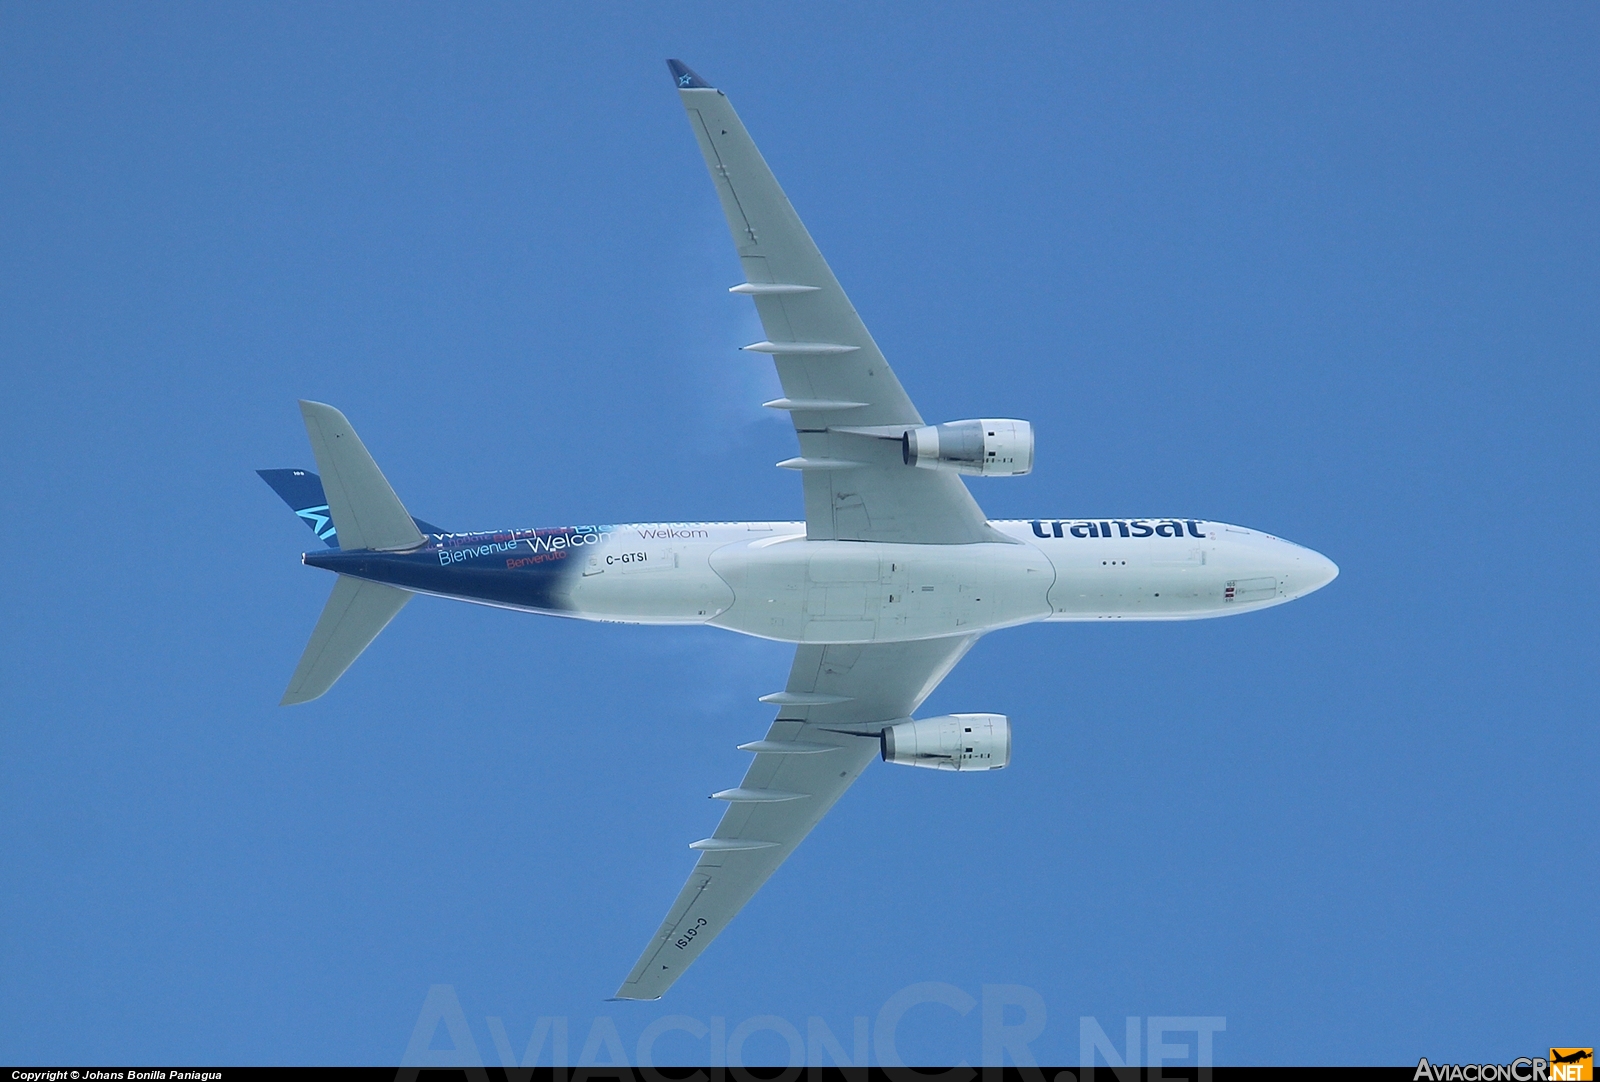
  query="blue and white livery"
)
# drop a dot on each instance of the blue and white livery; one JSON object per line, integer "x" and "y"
{"x": 889, "y": 579}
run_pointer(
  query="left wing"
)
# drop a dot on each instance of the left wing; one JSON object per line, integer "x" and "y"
{"x": 808, "y": 759}
{"x": 848, "y": 408}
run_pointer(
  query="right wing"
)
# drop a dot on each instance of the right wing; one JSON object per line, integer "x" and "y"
{"x": 857, "y": 488}
{"x": 808, "y": 759}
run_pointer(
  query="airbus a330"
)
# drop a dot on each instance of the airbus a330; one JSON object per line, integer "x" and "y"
{"x": 889, "y": 579}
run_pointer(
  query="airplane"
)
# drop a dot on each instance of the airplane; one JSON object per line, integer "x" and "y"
{"x": 889, "y": 579}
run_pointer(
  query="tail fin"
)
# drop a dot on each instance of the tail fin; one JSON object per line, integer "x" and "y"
{"x": 302, "y": 491}
{"x": 352, "y": 618}
{"x": 366, "y": 514}
{"x": 365, "y": 510}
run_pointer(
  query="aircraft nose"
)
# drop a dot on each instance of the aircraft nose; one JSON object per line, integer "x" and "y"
{"x": 1314, "y": 571}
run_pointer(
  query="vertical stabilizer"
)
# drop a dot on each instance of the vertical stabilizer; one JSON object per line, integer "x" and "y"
{"x": 365, "y": 510}
{"x": 302, "y": 491}
{"x": 352, "y": 618}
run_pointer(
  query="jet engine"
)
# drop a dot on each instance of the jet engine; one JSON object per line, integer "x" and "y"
{"x": 951, "y": 742}
{"x": 990, "y": 447}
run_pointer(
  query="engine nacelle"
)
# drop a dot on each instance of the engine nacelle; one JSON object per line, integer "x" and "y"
{"x": 989, "y": 447}
{"x": 951, "y": 742}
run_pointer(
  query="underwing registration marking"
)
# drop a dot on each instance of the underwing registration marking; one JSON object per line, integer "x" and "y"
{"x": 683, "y": 940}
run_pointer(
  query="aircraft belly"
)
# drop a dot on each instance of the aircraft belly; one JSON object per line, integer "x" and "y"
{"x": 1151, "y": 595}
{"x": 781, "y": 586}
{"x": 855, "y": 592}
{"x": 1192, "y": 570}
{"x": 649, "y": 582}
{"x": 1133, "y": 580}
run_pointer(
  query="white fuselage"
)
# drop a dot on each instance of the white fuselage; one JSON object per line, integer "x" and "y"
{"x": 766, "y": 579}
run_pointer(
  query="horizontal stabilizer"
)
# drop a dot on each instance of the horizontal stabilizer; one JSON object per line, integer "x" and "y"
{"x": 365, "y": 510}
{"x": 354, "y": 615}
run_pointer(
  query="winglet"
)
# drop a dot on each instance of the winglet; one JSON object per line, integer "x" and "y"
{"x": 685, "y": 78}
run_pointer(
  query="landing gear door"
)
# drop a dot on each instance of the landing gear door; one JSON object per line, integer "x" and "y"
{"x": 842, "y": 594}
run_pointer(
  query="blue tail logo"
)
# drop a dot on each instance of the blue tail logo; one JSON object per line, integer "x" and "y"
{"x": 321, "y": 522}
{"x": 302, "y": 491}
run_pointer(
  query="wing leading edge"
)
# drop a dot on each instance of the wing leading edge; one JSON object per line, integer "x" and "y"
{"x": 834, "y": 377}
{"x": 807, "y": 760}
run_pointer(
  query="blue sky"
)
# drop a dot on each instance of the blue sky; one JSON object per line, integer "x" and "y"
{"x": 1326, "y": 270}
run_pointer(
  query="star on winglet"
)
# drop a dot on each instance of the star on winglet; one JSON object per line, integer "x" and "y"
{"x": 685, "y": 78}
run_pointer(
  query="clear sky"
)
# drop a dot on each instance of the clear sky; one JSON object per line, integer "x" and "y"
{"x": 1326, "y": 270}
